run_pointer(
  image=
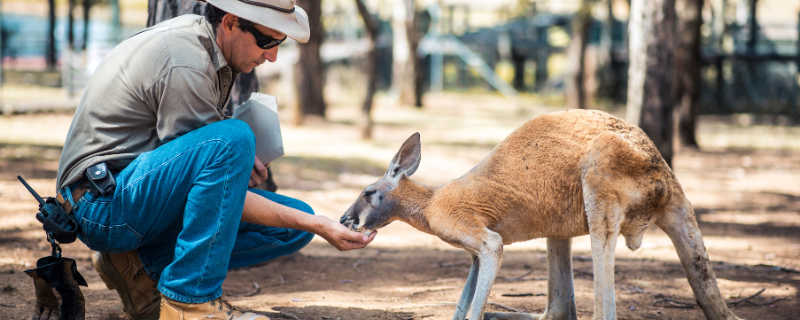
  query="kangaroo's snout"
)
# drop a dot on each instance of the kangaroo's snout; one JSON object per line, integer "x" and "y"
{"x": 359, "y": 218}
{"x": 349, "y": 219}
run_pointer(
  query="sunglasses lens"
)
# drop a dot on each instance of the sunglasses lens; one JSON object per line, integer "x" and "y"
{"x": 262, "y": 41}
{"x": 268, "y": 43}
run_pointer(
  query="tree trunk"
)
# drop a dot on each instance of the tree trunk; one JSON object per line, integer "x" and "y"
{"x": 411, "y": 92}
{"x": 542, "y": 57}
{"x": 71, "y": 23}
{"x": 50, "y": 54}
{"x": 87, "y": 7}
{"x": 576, "y": 85}
{"x": 650, "y": 73}
{"x": 371, "y": 26}
{"x": 753, "y": 76}
{"x": 607, "y": 78}
{"x": 309, "y": 74}
{"x": 518, "y": 59}
{"x": 687, "y": 69}
{"x": 753, "y": 21}
{"x": 160, "y": 10}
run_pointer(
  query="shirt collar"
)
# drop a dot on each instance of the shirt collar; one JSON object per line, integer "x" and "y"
{"x": 217, "y": 58}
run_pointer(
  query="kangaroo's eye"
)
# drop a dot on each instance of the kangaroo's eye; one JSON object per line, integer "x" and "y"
{"x": 368, "y": 193}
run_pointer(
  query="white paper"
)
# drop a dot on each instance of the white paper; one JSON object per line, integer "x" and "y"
{"x": 260, "y": 112}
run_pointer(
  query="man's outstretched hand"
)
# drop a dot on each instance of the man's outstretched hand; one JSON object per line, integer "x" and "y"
{"x": 343, "y": 238}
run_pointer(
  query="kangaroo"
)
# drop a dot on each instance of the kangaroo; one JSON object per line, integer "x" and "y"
{"x": 559, "y": 176}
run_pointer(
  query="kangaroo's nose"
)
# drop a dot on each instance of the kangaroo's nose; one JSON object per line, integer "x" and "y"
{"x": 348, "y": 222}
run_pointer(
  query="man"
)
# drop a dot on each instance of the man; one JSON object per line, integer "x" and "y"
{"x": 181, "y": 214}
{"x": 246, "y": 83}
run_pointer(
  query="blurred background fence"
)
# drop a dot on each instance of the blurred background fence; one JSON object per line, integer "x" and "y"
{"x": 749, "y": 50}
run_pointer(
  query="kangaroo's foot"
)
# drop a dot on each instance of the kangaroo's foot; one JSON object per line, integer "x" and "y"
{"x": 526, "y": 316}
{"x": 513, "y": 316}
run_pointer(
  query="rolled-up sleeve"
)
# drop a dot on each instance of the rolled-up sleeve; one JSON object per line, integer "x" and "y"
{"x": 186, "y": 101}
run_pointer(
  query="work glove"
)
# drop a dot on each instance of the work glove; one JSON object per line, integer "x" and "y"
{"x": 62, "y": 275}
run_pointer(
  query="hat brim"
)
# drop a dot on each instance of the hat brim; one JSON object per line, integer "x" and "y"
{"x": 294, "y": 24}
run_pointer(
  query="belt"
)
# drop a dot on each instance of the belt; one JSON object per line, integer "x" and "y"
{"x": 77, "y": 193}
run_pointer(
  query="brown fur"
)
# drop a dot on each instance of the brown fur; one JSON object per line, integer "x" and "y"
{"x": 548, "y": 194}
{"x": 559, "y": 176}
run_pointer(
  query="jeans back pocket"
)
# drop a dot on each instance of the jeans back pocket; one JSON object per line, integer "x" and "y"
{"x": 109, "y": 239}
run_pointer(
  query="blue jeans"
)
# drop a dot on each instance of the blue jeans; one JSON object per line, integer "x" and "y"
{"x": 180, "y": 205}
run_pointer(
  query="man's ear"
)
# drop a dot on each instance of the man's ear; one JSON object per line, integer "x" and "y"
{"x": 228, "y": 22}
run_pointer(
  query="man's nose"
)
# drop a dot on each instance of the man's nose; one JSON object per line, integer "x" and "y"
{"x": 271, "y": 54}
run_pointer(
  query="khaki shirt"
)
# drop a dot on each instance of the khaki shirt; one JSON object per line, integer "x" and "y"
{"x": 153, "y": 87}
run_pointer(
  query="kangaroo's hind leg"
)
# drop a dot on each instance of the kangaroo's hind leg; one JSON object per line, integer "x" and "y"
{"x": 609, "y": 172}
{"x": 680, "y": 224}
{"x": 560, "y": 287}
{"x": 604, "y": 226}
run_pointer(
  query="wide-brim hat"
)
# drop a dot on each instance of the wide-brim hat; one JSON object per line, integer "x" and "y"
{"x": 281, "y": 15}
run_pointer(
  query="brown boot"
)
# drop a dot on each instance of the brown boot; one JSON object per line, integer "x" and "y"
{"x": 213, "y": 310}
{"x": 125, "y": 273}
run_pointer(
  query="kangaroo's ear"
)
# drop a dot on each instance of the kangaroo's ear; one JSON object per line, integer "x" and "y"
{"x": 407, "y": 159}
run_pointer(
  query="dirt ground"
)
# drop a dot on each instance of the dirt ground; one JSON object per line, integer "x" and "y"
{"x": 747, "y": 197}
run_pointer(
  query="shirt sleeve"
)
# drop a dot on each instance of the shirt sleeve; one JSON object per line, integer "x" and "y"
{"x": 186, "y": 101}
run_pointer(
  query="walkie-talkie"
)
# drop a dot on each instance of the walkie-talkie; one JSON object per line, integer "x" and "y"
{"x": 56, "y": 222}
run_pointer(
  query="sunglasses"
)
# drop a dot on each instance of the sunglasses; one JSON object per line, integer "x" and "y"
{"x": 262, "y": 41}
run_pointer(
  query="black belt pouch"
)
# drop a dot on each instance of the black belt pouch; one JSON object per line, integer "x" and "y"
{"x": 101, "y": 181}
